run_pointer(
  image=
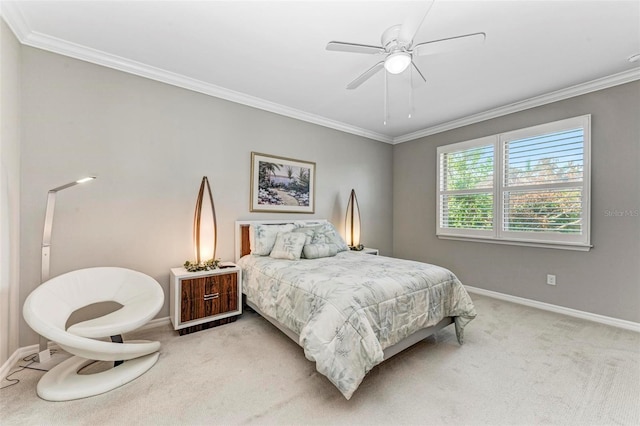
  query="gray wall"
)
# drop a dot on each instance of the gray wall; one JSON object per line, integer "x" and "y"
{"x": 9, "y": 191}
{"x": 605, "y": 280}
{"x": 150, "y": 144}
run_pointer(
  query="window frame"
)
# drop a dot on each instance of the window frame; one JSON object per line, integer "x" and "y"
{"x": 499, "y": 235}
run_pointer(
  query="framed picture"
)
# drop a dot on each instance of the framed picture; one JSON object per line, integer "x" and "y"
{"x": 282, "y": 185}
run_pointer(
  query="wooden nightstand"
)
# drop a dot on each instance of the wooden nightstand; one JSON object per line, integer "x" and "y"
{"x": 201, "y": 300}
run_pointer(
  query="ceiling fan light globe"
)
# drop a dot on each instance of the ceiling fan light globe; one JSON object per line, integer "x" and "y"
{"x": 397, "y": 62}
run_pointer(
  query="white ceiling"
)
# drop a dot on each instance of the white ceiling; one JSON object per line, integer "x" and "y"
{"x": 271, "y": 54}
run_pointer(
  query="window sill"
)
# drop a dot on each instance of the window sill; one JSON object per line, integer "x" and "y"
{"x": 558, "y": 246}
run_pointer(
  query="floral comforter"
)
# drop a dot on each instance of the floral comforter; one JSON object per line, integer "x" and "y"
{"x": 348, "y": 308}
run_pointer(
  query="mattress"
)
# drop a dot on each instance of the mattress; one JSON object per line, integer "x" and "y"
{"x": 348, "y": 308}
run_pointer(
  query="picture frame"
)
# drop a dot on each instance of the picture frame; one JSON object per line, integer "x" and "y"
{"x": 283, "y": 185}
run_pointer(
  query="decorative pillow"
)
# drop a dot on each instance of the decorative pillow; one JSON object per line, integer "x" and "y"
{"x": 327, "y": 234}
{"x": 316, "y": 251}
{"x": 308, "y": 231}
{"x": 288, "y": 245}
{"x": 264, "y": 237}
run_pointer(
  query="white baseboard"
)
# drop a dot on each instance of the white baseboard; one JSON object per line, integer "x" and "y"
{"x": 615, "y": 322}
{"x": 155, "y": 323}
{"x": 17, "y": 356}
{"x": 33, "y": 349}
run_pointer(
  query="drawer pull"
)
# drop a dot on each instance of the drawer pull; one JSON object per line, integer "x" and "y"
{"x": 211, "y": 296}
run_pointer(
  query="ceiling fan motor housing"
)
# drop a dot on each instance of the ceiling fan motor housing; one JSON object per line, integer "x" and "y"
{"x": 391, "y": 42}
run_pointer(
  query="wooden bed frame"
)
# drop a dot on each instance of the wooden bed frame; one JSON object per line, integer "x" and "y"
{"x": 243, "y": 247}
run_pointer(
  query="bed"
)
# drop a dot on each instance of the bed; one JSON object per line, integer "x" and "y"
{"x": 348, "y": 310}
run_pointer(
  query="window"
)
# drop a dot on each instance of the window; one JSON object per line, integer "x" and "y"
{"x": 529, "y": 186}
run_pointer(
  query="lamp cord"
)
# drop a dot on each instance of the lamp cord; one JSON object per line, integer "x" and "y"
{"x": 31, "y": 359}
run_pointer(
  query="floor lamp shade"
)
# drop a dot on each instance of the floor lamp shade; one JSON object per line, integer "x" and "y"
{"x": 205, "y": 235}
{"x": 352, "y": 222}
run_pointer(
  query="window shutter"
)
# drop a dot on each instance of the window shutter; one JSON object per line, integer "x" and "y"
{"x": 529, "y": 186}
{"x": 543, "y": 183}
{"x": 466, "y": 190}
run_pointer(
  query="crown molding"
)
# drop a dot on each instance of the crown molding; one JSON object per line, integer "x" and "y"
{"x": 21, "y": 29}
{"x": 14, "y": 19}
{"x": 19, "y": 25}
{"x": 569, "y": 92}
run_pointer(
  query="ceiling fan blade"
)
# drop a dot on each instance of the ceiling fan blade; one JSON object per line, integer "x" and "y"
{"x": 365, "y": 75}
{"x": 338, "y": 46}
{"x": 419, "y": 72}
{"x": 411, "y": 25}
{"x": 449, "y": 44}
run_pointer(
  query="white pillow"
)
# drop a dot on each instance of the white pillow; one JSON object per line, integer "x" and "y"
{"x": 327, "y": 234}
{"x": 308, "y": 231}
{"x": 262, "y": 237}
{"x": 288, "y": 245}
{"x": 316, "y": 251}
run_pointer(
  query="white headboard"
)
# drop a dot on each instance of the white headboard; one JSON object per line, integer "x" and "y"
{"x": 242, "y": 244}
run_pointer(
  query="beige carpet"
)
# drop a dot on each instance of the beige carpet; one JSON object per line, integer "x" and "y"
{"x": 518, "y": 366}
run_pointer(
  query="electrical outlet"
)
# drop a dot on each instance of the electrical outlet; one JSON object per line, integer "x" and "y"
{"x": 551, "y": 279}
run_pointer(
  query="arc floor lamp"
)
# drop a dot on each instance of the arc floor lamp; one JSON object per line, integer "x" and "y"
{"x": 44, "y": 354}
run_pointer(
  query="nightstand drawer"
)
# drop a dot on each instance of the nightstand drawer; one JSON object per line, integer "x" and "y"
{"x": 208, "y": 287}
{"x": 193, "y": 309}
{"x": 208, "y": 296}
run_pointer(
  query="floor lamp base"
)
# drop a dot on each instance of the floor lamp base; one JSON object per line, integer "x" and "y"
{"x": 55, "y": 358}
{"x": 43, "y": 356}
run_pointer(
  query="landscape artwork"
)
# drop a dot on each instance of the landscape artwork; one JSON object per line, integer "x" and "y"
{"x": 280, "y": 184}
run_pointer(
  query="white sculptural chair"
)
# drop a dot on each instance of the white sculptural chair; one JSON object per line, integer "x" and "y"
{"x": 49, "y": 306}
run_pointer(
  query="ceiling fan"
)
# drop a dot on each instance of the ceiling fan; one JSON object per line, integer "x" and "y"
{"x": 399, "y": 50}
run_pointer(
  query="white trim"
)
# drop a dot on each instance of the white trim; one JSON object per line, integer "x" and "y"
{"x": 20, "y": 353}
{"x": 559, "y": 95}
{"x": 601, "y": 319}
{"x": 83, "y": 53}
{"x": 15, "y": 358}
{"x": 21, "y": 29}
{"x": 514, "y": 242}
{"x": 158, "y": 322}
{"x": 15, "y": 19}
